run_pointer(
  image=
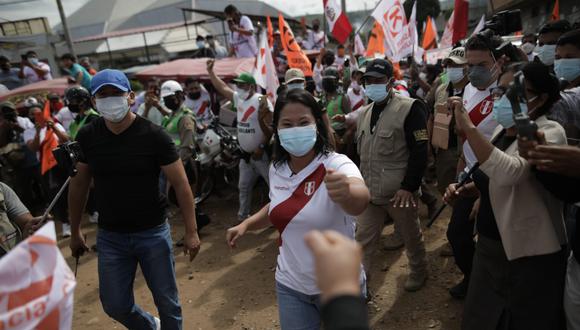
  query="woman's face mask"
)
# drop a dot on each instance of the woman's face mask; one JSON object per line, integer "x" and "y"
{"x": 113, "y": 108}
{"x": 503, "y": 113}
{"x": 298, "y": 141}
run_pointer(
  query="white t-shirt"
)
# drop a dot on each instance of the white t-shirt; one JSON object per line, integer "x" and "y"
{"x": 314, "y": 40}
{"x": 201, "y": 108}
{"x": 244, "y": 46}
{"x": 24, "y": 122}
{"x": 479, "y": 105}
{"x": 339, "y": 61}
{"x": 250, "y": 134}
{"x": 356, "y": 101}
{"x": 300, "y": 203}
{"x": 30, "y": 133}
{"x": 155, "y": 116}
{"x": 65, "y": 117}
{"x": 31, "y": 76}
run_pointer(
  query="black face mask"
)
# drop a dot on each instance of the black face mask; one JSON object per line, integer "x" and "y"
{"x": 194, "y": 96}
{"x": 315, "y": 27}
{"x": 171, "y": 103}
{"x": 74, "y": 108}
{"x": 329, "y": 85}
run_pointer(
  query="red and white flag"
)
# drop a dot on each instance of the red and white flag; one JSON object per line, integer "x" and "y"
{"x": 390, "y": 15}
{"x": 36, "y": 285}
{"x": 338, "y": 22}
{"x": 265, "y": 70}
{"x": 447, "y": 38}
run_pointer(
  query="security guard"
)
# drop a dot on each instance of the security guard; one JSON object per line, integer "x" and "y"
{"x": 392, "y": 143}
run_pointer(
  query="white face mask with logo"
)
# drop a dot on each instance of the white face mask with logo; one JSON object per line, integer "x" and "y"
{"x": 114, "y": 108}
{"x": 242, "y": 93}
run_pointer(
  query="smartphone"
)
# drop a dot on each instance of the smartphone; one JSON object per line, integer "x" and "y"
{"x": 39, "y": 119}
{"x": 525, "y": 126}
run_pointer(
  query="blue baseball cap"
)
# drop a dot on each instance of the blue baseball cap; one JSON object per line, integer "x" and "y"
{"x": 110, "y": 77}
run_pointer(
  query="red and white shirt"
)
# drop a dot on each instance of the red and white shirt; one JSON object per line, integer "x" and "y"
{"x": 479, "y": 105}
{"x": 356, "y": 100}
{"x": 201, "y": 108}
{"x": 300, "y": 203}
{"x": 250, "y": 134}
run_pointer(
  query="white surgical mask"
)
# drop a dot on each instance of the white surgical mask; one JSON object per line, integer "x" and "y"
{"x": 528, "y": 47}
{"x": 242, "y": 93}
{"x": 200, "y": 44}
{"x": 423, "y": 76}
{"x": 114, "y": 108}
{"x": 455, "y": 75}
{"x": 547, "y": 54}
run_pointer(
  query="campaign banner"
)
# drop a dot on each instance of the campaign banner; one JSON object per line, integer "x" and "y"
{"x": 36, "y": 285}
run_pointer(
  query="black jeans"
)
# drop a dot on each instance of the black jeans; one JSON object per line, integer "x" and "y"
{"x": 460, "y": 234}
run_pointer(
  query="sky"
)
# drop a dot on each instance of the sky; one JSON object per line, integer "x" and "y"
{"x": 23, "y": 9}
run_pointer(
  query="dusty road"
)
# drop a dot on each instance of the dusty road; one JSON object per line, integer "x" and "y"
{"x": 225, "y": 289}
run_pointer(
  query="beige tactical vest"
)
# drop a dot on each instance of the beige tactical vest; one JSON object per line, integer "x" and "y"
{"x": 10, "y": 234}
{"x": 383, "y": 153}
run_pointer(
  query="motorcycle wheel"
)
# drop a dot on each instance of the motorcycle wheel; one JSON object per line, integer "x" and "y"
{"x": 205, "y": 185}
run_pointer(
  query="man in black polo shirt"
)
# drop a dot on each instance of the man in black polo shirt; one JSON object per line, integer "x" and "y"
{"x": 125, "y": 154}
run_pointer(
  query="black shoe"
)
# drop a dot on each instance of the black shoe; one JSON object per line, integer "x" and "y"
{"x": 459, "y": 291}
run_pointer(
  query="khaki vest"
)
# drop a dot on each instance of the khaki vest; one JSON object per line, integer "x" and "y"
{"x": 10, "y": 234}
{"x": 383, "y": 153}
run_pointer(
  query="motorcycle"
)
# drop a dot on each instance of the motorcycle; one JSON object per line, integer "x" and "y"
{"x": 219, "y": 152}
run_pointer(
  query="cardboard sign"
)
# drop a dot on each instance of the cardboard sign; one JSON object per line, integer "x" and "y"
{"x": 441, "y": 123}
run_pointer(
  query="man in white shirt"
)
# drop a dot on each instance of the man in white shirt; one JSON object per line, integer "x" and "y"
{"x": 242, "y": 39}
{"x": 197, "y": 100}
{"x": 153, "y": 108}
{"x": 483, "y": 74}
{"x": 254, "y": 113}
{"x": 32, "y": 70}
{"x": 314, "y": 39}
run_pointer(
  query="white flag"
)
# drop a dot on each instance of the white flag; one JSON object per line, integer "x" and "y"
{"x": 390, "y": 14}
{"x": 479, "y": 26}
{"x": 359, "y": 47}
{"x": 265, "y": 70}
{"x": 36, "y": 285}
{"x": 417, "y": 51}
{"x": 447, "y": 38}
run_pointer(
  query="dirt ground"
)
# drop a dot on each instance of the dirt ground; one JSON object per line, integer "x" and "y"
{"x": 225, "y": 289}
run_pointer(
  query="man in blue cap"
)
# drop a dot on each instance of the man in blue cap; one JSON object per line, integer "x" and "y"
{"x": 124, "y": 155}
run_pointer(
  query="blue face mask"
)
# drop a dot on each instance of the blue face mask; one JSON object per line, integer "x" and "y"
{"x": 292, "y": 86}
{"x": 567, "y": 68}
{"x": 503, "y": 113}
{"x": 298, "y": 141}
{"x": 547, "y": 53}
{"x": 377, "y": 92}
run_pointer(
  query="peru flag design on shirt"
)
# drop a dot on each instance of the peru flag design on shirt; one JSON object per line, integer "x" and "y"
{"x": 300, "y": 203}
{"x": 250, "y": 133}
{"x": 479, "y": 105}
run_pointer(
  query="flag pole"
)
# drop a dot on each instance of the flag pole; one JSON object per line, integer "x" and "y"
{"x": 367, "y": 19}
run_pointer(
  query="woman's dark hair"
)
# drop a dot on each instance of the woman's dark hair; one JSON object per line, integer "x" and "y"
{"x": 542, "y": 81}
{"x": 300, "y": 96}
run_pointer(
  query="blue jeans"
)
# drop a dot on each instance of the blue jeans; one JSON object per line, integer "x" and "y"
{"x": 297, "y": 310}
{"x": 119, "y": 254}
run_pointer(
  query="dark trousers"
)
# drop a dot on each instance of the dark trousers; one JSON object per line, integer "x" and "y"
{"x": 460, "y": 234}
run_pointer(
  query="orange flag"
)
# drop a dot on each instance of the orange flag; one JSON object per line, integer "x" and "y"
{"x": 296, "y": 57}
{"x": 556, "y": 12}
{"x": 47, "y": 160}
{"x": 376, "y": 41}
{"x": 430, "y": 35}
{"x": 270, "y": 32}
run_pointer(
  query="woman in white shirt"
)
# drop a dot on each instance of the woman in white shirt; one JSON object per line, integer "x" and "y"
{"x": 311, "y": 188}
